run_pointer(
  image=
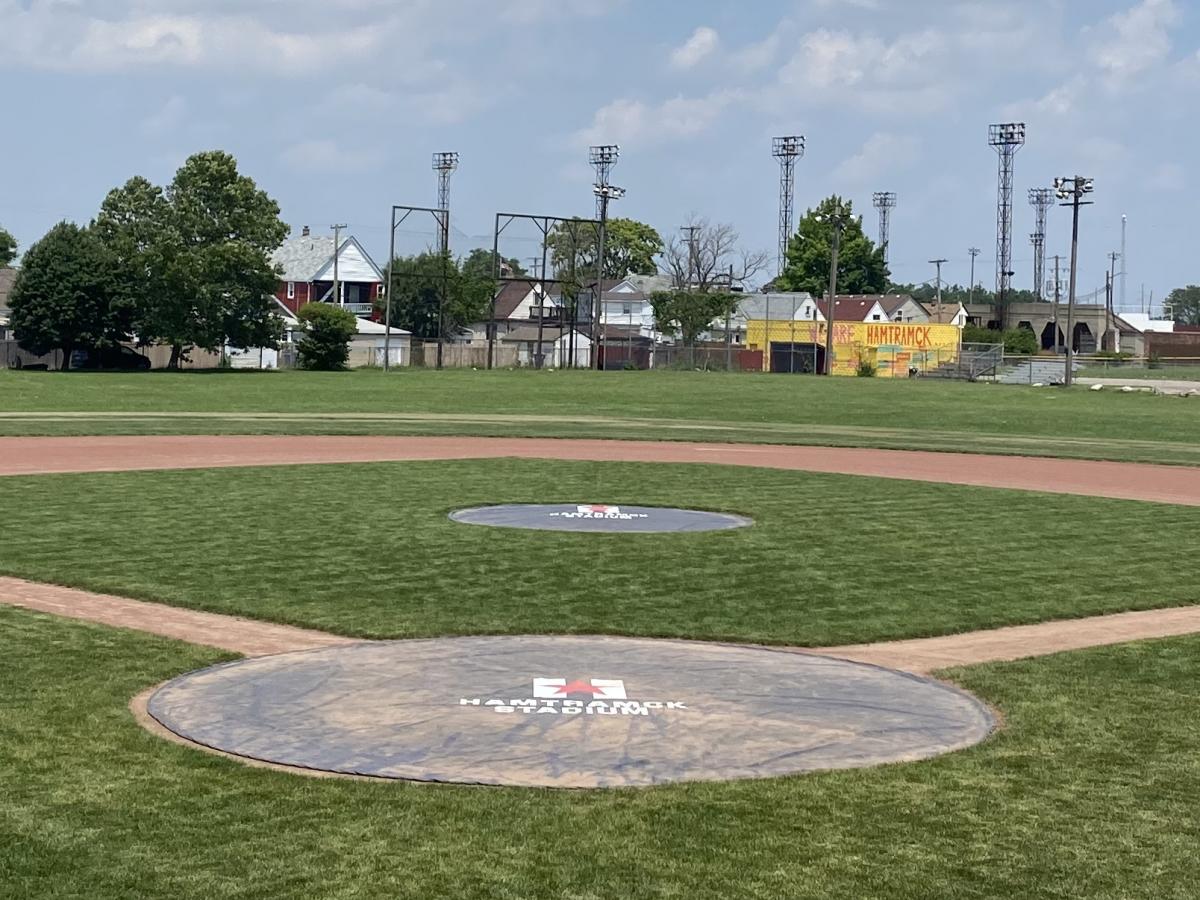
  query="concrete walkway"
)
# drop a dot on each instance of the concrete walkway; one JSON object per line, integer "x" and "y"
{"x": 923, "y": 655}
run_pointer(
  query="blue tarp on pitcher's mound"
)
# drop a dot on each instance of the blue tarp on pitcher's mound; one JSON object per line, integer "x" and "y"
{"x": 599, "y": 517}
{"x": 579, "y": 712}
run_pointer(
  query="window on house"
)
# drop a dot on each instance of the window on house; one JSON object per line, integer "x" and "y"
{"x": 291, "y": 290}
{"x": 875, "y": 318}
{"x": 627, "y": 309}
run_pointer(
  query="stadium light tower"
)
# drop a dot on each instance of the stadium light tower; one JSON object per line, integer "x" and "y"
{"x": 1041, "y": 199}
{"x": 885, "y": 202}
{"x": 787, "y": 150}
{"x": 445, "y": 164}
{"x": 1007, "y": 138}
{"x": 1071, "y": 192}
{"x": 603, "y": 157}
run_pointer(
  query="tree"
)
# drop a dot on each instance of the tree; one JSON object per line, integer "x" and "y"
{"x": 8, "y": 247}
{"x": 328, "y": 332}
{"x": 1184, "y": 304}
{"x": 135, "y": 225}
{"x": 194, "y": 259}
{"x": 65, "y": 295}
{"x": 689, "y": 313}
{"x": 431, "y": 298}
{"x": 630, "y": 247}
{"x": 480, "y": 265}
{"x": 710, "y": 259}
{"x": 861, "y": 266}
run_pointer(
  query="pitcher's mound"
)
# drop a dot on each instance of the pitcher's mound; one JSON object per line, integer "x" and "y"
{"x": 599, "y": 517}
{"x": 566, "y": 711}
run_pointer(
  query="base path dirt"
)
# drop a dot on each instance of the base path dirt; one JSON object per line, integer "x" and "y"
{"x": 923, "y": 655}
{"x": 238, "y": 635}
{"x": 1126, "y": 481}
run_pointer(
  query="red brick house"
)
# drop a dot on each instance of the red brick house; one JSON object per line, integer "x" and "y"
{"x": 307, "y": 264}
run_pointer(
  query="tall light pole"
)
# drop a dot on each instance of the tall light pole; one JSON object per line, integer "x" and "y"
{"x": 602, "y": 158}
{"x": 939, "y": 263}
{"x": 604, "y": 193}
{"x": 1006, "y": 138}
{"x": 1071, "y": 191}
{"x": 787, "y": 150}
{"x": 1041, "y": 199}
{"x": 885, "y": 202}
{"x": 445, "y": 164}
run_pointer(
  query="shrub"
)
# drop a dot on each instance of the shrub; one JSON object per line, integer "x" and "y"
{"x": 326, "y": 343}
{"x": 1016, "y": 341}
{"x": 866, "y": 369}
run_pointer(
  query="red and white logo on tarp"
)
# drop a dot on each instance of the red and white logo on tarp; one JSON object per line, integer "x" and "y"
{"x": 596, "y": 688}
{"x": 578, "y": 697}
{"x": 598, "y": 511}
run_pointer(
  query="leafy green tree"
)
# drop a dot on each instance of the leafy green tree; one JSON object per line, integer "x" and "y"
{"x": 135, "y": 225}
{"x": 630, "y": 247}
{"x": 194, "y": 259}
{"x": 431, "y": 297}
{"x": 690, "y": 313}
{"x": 1184, "y": 304}
{"x": 8, "y": 247}
{"x": 328, "y": 330}
{"x": 480, "y": 265}
{"x": 861, "y": 266}
{"x": 65, "y": 296}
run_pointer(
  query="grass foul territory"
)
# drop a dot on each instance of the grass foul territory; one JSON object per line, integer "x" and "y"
{"x": 369, "y": 551}
{"x": 907, "y": 414}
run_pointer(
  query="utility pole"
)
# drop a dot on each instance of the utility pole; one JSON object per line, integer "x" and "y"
{"x": 939, "y": 263}
{"x": 1110, "y": 320}
{"x": 839, "y": 223}
{"x": 602, "y": 158}
{"x": 1072, "y": 191}
{"x": 337, "y": 248}
{"x": 974, "y": 251}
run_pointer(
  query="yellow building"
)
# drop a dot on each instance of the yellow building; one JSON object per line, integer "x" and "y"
{"x": 895, "y": 349}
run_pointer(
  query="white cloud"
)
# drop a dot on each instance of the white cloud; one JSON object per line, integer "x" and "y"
{"x": 637, "y": 122}
{"x": 324, "y": 155}
{"x": 881, "y": 154}
{"x": 701, "y": 45}
{"x": 1133, "y": 41}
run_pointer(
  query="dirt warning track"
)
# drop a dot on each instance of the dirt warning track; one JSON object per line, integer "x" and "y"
{"x": 1124, "y": 481}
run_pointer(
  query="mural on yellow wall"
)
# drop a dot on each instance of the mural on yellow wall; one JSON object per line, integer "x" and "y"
{"x": 895, "y": 349}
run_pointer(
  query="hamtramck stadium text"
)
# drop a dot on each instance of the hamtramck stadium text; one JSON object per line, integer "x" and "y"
{"x": 576, "y": 707}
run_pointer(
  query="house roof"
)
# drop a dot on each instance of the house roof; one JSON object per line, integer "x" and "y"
{"x": 303, "y": 258}
{"x": 513, "y": 294}
{"x": 851, "y": 307}
{"x": 892, "y": 302}
{"x": 775, "y": 306}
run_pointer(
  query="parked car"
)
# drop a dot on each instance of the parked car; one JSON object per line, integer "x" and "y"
{"x": 119, "y": 357}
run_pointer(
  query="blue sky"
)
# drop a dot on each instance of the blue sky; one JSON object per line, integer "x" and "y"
{"x": 334, "y": 107}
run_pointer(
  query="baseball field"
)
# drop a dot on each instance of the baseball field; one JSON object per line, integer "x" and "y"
{"x": 1011, "y": 566}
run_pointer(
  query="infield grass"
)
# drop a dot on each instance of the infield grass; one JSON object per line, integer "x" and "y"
{"x": 368, "y": 550}
{"x": 1088, "y": 792}
{"x": 905, "y": 414}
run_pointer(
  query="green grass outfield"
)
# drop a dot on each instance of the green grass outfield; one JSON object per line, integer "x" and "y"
{"x": 368, "y": 550}
{"x": 909, "y": 414}
{"x": 1088, "y": 792}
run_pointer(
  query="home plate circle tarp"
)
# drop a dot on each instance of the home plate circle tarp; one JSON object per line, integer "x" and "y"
{"x": 579, "y": 712}
{"x": 599, "y": 517}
